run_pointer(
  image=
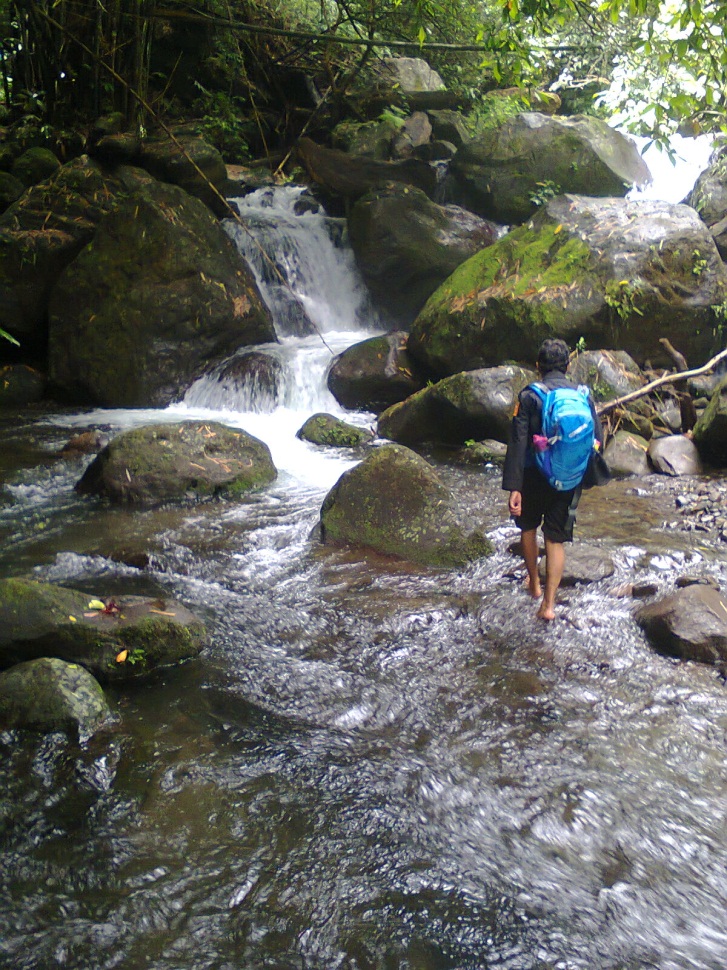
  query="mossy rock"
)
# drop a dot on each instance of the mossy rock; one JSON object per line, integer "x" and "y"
{"x": 51, "y": 695}
{"x": 20, "y": 384}
{"x": 710, "y": 431}
{"x": 45, "y": 620}
{"x": 611, "y": 271}
{"x": 326, "y": 429}
{"x": 165, "y": 161}
{"x": 11, "y": 189}
{"x": 374, "y": 374}
{"x": 395, "y": 503}
{"x": 190, "y": 461}
{"x": 34, "y": 165}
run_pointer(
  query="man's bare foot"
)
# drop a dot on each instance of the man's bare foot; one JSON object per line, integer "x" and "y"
{"x": 546, "y": 613}
{"x": 533, "y": 587}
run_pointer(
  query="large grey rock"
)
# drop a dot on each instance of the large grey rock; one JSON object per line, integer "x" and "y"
{"x": 501, "y": 171}
{"x": 192, "y": 460}
{"x": 710, "y": 431}
{"x": 394, "y": 502}
{"x": 627, "y": 454}
{"x": 51, "y": 695}
{"x": 472, "y": 405}
{"x": 609, "y": 374}
{"x": 709, "y": 194}
{"x": 614, "y": 272}
{"x": 691, "y": 623}
{"x": 675, "y": 455}
{"x": 132, "y": 637}
{"x": 159, "y": 298}
{"x": 406, "y": 245}
{"x": 374, "y": 374}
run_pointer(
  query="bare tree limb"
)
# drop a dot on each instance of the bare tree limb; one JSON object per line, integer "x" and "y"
{"x": 660, "y": 381}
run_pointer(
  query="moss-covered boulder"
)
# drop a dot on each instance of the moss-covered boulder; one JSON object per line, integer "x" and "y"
{"x": 618, "y": 273}
{"x": 406, "y": 245}
{"x": 395, "y": 503}
{"x": 51, "y": 695}
{"x": 190, "y": 461}
{"x": 116, "y": 639}
{"x": 165, "y": 160}
{"x": 158, "y": 298}
{"x": 374, "y": 374}
{"x": 326, "y": 429}
{"x": 690, "y": 623}
{"x": 503, "y": 173}
{"x": 35, "y": 165}
{"x": 608, "y": 373}
{"x": 472, "y": 405}
{"x": 372, "y": 139}
{"x": 627, "y": 454}
{"x": 20, "y": 384}
{"x": 43, "y": 232}
{"x": 710, "y": 431}
{"x": 10, "y": 190}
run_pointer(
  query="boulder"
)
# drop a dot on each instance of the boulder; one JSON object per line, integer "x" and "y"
{"x": 43, "y": 232}
{"x": 719, "y": 234}
{"x": 85, "y": 443}
{"x": 612, "y": 271}
{"x": 410, "y": 75}
{"x": 20, "y": 384}
{"x": 178, "y": 462}
{"x": 181, "y": 166}
{"x": 130, "y": 637}
{"x": 449, "y": 126}
{"x": 690, "y": 623}
{"x": 415, "y": 131}
{"x": 487, "y": 452}
{"x": 710, "y": 431}
{"x": 10, "y": 190}
{"x": 394, "y": 502}
{"x": 351, "y": 176}
{"x": 583, "y": 564}
{"x": 627, "y": 454}
{"x": 472, "y": 405}
{"x": 372, "y": 139}
{"x": 405, "y": 245}
{"x": 502, "y": 172}
{"x": 609, "y": 374}
{"x": 326, "y": 429}
{"x": 374, "y": 374}
{"x": 35, "y": 165}
{"x": 159, "y": 298}
{"x": 250, "y": 381}
{"x": 51, "y": 695}
{"x": 674, "y": 455}
{"x": 709, "y": 194}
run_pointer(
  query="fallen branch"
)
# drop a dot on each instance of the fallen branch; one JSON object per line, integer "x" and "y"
{"x": 660, "y": 381}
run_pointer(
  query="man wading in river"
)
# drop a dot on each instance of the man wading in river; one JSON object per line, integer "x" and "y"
{"x": 552, "y": 439}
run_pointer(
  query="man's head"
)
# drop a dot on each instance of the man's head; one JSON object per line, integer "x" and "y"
{"x": 553, "y": 355}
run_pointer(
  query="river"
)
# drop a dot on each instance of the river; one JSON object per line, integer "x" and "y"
{"x": 373, "y": 764}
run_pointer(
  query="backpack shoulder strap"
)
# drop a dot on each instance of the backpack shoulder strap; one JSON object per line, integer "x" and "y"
{"x": 539, "y": 389}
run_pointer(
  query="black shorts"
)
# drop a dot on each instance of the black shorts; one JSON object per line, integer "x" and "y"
{"x": 543, "y": 504}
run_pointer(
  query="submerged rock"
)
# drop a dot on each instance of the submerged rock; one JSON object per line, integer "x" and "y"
{"x": 614, "y": 272}
{"x": 583, "y": 564}
{"x": 395, "y": 503}
{"x": 691, "y": 624}
{"x": 178, "y": 462}
{"x": 51, "y": 695}
{"x": 326, "y": 429}
{"x": 473, "y": 405}
{"x": 132, "y": 636}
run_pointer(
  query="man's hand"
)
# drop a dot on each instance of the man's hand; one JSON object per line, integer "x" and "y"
{"x": 515, "y": 504}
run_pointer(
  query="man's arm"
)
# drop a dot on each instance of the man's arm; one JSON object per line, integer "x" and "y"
{"x": 512, "y": 474}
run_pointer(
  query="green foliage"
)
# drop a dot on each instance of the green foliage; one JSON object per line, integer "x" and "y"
{"x": 222, "y": 122}
{"x": 7, "y": 336}
{"x": 620, "y": 296}
{"x": 546, "y": 191}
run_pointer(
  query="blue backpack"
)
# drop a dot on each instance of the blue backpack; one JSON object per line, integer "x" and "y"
{"x": 564, "y": 447}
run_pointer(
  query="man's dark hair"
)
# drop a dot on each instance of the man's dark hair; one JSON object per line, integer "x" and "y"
{"x": 553, "y": 355}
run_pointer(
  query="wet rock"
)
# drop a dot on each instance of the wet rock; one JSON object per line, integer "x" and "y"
{"x": 482, "y": 452}
{"x": 160, "y": 297}
{"x": 614, "y": 272}
{"x": 627, "y": 454}
{"x": 86, "y": 443}
{"x": 251, "y": 381}
{"x": 674, "y": 455}
{"x": 473, "y": 405}
{"x": 642, "y": 591}
{"x": 683, "y": 581}
{"x": 51, "y": 695}
{"x": 326, "y": 429}
{"x": 406, "y": 245}
{"x": 691, "y": 624}
{"x": 132, "y": 637}
{"x": 583, "y": 564}
{"x": 190, "y": 461}
{"x": 394, "y": 502}
{"x": 500, "y": 171}
{"x": 710, "y": 431}
{"x": 374, "y": 374}
{"x": 20, "y": 384}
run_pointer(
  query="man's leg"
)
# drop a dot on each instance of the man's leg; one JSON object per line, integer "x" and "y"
{"x": 529, "y": 546}
{"x": 554, "y": 565}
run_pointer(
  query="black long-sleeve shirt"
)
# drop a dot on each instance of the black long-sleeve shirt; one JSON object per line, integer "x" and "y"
{"x": 526, "y": 422}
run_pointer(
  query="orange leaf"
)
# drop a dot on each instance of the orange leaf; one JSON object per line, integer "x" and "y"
{"x": 121, "y": 657}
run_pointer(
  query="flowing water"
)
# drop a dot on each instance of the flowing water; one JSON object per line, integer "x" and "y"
{"x": 373, "y": 764}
